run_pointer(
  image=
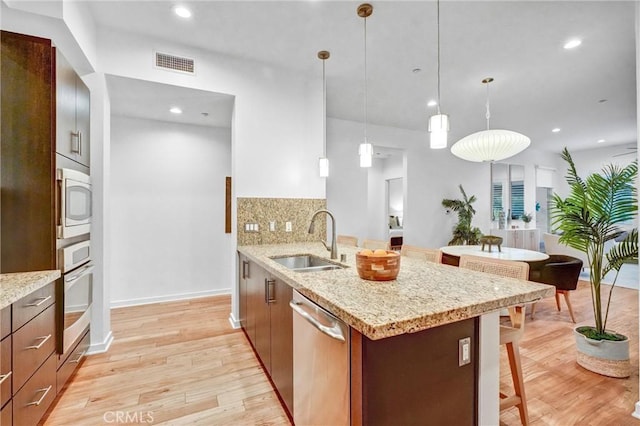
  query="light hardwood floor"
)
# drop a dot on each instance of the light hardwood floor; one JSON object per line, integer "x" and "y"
{"x": 183, "y": 364}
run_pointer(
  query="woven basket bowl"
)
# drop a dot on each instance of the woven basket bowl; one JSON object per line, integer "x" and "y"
{"x": 378, "y": 268}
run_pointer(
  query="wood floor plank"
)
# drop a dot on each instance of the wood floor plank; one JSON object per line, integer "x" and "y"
{"x": 184, "y": 364}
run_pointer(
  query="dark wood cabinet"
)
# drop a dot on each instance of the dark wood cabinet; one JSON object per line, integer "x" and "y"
{"x": 259, "y": 314}
{"x": 282, "y": 342}
{"x": 72, "y": 115}
{"x": 6, "y": 370}
{"x": 266, "y": 318}
{"x": 27, "y": 157}
{"x": 413, "y": 377}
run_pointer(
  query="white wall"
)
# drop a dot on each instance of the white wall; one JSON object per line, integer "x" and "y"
{"x": 431, "y": 175}
{"x": 168, "y": 204}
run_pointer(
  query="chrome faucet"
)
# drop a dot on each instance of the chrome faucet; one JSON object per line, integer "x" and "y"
{"x": 334, "y": 247}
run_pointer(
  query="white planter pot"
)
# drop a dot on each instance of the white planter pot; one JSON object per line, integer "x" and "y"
{"x": 606, "y": 357}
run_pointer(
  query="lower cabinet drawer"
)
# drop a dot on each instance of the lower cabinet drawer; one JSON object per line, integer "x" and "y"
{"x": 5, "y": 371}
{"x": 35, "y": 397}
{"x": 31, "y": 305}
{"x": 71, "y": 363}
{"x": 32, "y": 344}
{"x": 6, "y": 414}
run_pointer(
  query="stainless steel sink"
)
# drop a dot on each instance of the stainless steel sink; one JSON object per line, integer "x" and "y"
{"x": 306, "y": 263}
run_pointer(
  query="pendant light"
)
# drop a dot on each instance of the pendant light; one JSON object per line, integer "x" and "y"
{"x": 323, "y": 162}
{"x": 490, "y": 144}
{"x": 439, "y": 123}
{"x": 366, "y": 149}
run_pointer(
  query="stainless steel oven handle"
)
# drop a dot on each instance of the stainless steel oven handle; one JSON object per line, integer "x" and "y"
{"x": 41, "y": 301}
{"x": 39, "y": 345}
{"x": 44, "y": 395}
{"x": 334, "y": 332}
{"x": 79, "y": 274}
{"x": 5, "y": 377}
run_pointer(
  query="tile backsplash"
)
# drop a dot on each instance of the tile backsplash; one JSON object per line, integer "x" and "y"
{"x": 259, "y": 213}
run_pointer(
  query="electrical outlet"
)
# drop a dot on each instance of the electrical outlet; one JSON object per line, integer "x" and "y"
{"x": 464, "y": 351}
{"x": 251, "y": 227}
{"x": 288, "y": 227}
{"x": 272, "y": 226}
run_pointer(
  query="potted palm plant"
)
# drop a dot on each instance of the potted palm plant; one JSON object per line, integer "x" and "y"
{"x": 589, "y": 217}
{"x": 463, "y": 232}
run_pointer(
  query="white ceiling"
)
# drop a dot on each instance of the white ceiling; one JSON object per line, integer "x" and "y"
{"x": 146, "y": 99}
{"x": 538, "y": 84}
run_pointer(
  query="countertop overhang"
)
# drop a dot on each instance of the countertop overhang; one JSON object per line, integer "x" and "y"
{"x": 14, "y": 286}
{"x": 424, "y": 295}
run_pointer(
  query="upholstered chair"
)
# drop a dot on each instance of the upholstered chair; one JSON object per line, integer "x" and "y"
{"x": 561, "y": 271}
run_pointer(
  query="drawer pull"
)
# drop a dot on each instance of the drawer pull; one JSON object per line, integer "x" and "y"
{"x": 5, "y": 377}
{"x": 44, "y": 395}
{"x": 41, "y": 301}
{"x": 77, "y": 360}
{"x": 39, "y": 345}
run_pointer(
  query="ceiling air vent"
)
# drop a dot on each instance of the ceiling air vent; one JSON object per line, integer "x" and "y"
{"x": 174, "y": 63}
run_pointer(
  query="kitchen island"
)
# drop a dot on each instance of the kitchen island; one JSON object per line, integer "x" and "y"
{"x": 392, "y": 320}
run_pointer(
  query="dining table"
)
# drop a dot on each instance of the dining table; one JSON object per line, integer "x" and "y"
{"x": 451, "y": 254}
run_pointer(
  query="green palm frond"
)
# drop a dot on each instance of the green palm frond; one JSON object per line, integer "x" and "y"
{"x": 591, "y": 215}
{"x": 622, "y": 252}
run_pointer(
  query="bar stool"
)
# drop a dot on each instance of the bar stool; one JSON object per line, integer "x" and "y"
{"x": 347, "y": 240}
{"x": 376, "y": 244}
{"x": 431, "y": 255}
{"x": 509, "y": 335}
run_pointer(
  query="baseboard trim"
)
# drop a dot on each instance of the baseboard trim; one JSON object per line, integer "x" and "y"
{"x": 233, "y": 321}
{"x": 98, "y": 348}
{"x": 636, "y": 413}
{"x": 168, "y": 298}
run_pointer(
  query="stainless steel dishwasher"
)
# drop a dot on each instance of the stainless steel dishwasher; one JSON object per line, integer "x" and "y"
{"x": 321, "y": 379}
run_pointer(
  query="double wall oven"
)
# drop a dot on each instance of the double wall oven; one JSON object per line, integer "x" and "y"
{"x": 74, "y": 291}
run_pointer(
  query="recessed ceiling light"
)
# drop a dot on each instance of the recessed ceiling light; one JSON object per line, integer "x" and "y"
{"x": 432, "y": 103}
{"x": 601, "y": 101}
{"x": 601, "y": 140}
{"x": 416, "y": 70}
{"x": 175, "y": 110}
{"x": 573, "y": 43}
{"x": 182, "y": 12}
{"x": 556, "y": 130}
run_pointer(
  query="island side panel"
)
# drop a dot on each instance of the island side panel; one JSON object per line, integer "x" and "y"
{"x": 489, "y": 372}
{"x": 415, "y": 377}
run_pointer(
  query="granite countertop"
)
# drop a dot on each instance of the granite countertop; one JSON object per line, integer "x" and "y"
{"x": 15, "y": 286}
{"x": 424, "y": 295}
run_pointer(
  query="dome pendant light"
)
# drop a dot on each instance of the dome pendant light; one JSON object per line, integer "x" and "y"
{"x": 490, "y": 144}
{"x": 439, "y": 123}
{"x": 323, "y": 162}
{"x": 366, "y": 149}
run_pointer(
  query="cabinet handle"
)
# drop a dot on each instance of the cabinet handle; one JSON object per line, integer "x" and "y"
{"x": 38, "y": 402}
{"x": 5, "y": 377}
{"x": 77, "y": 360}
{"x": 271, "y": 297}
{"x": 245, "y": 269}
{"x": 75, "y": 142}
{"x": 79, "y": 142}
{"x": 41, "y": 301}
{"x": 39, "y": 345}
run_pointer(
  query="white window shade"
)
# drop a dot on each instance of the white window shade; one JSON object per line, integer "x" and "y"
{"x": 545, "y": 177}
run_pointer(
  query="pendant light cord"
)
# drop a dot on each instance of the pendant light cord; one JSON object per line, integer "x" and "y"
{"x": 488, "y": 114}
{"x": 324, "y": 111}
{"x": 365, "y": 81}
{"x": 438, "y": 38}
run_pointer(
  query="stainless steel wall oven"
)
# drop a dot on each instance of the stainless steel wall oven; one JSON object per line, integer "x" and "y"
{"x": 74, "y": 294}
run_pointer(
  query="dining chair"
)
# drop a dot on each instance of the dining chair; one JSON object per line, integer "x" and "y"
{"x": 376, "y": 244}
{"x": 431, "y": 255}
{"x": 509, "y": 335}
{"x": 347, "y": 240}
{"x": 562, "y": 272}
